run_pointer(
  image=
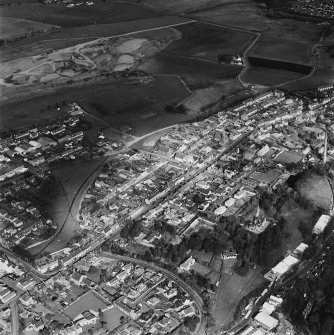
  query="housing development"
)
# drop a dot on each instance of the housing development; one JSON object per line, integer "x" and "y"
{"x": 159, "y": 226}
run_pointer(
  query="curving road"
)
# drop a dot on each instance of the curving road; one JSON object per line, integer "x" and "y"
{"x": 195, "y": 295}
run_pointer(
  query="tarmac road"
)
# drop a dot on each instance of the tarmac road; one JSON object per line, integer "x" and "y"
{"x": 196, "y": 297}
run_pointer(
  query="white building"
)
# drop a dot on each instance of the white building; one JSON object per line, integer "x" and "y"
{"x": 321, "y": 224}
{"x": 266, "y": 321}
{"x": 187, "y": 264}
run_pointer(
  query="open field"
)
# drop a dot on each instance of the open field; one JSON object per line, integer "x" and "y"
{"x": 177, "y": 6}
{"x": 13, "y": 27}
{"x": 112, "y": 317}
{"x": 196, "y": 53}
{"x": 89, "y": 301}
{"x": 317, "y": 190}
{"x": 100, "y": 12}
{"x": 164, "y": 63}
{"x": 203, "y": 97}
{"x": 269, "y": 77}
{"x": 230, "y": 291}
{"x": 281, "y": 49}
{"x": 21, "y": 114}
{"x": 66, "y": 206}
{"x": 205, "y": 41}
{"x": 64, "y": 38}
{"x": 319, "y": 77}
{"x": 120, "y": 104}
{"x": 251, "y": 17}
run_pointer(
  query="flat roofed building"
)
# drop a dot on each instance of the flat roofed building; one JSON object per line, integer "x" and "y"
{"x": 321, "y": 224}
{"x": 300, "y": 249}
{"x": 266, "y": 321}
{"x": 259, "y": 332}
{"x": 282, "y": 267}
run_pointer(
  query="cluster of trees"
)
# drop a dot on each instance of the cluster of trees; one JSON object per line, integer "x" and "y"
{"x": 131, "y": 229}
{"x": 273, "y": 201}
{"x": 111, "y": 246}
{"x": 320, "y": 289}
{"x": 191, "y": 322}
{"x": 228, "y": 234}
{"x": 163, "y": 228}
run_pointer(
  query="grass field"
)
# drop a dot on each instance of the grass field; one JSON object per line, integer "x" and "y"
{"x": 88, "y": 301}
{"x": 269, "y": 77}
{"x": 320, "y": 77}
{"x": 112, "y": 317}
{"x": 164, "y": 63}
{"x": 317, "y": 190}
{"x": 72, "y": 190}
{"x": 13, "y": 27}
{"x": 63, "y": 38}
{"x": 205, "y": 41}
{"x": 230, "y": 291}
{"x": 281, "y": 49}
{"x": 249, "y": 16}
{"x": 123, "y": 102}
{"x": 100, "y": 12}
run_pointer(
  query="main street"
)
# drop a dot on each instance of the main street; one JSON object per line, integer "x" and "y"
{"x": 189, "y": 176}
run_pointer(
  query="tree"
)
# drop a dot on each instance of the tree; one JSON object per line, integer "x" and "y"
{"x": 191, "y": 322}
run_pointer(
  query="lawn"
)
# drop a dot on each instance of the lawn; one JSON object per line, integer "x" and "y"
{"x": 89, "y": 301}
{"x": 112, "y": 316}
{"x": 230, "y": 291}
